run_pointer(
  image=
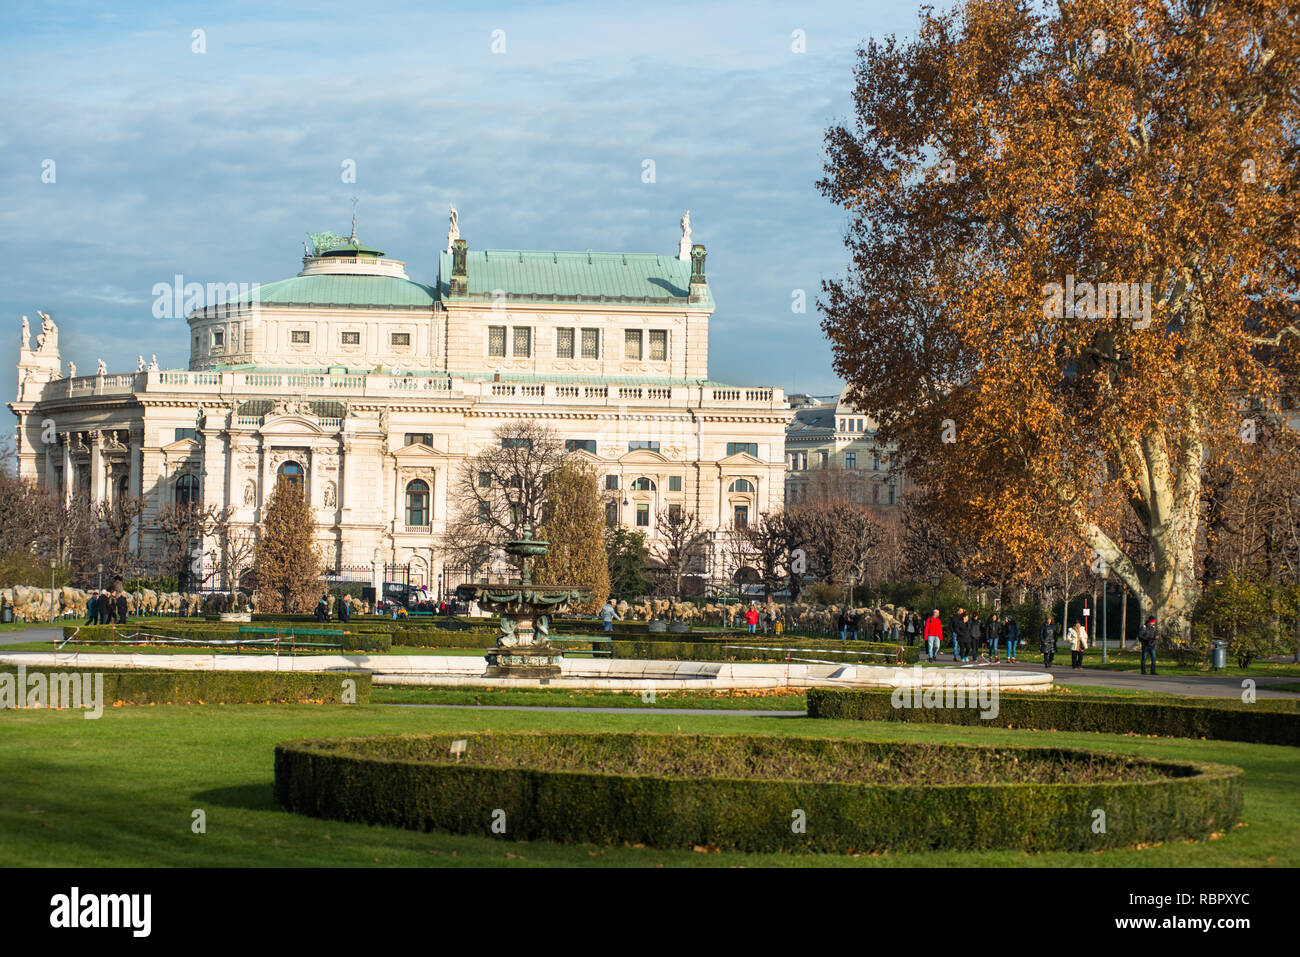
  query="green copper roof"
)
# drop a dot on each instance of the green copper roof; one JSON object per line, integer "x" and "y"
{"x": 385, "y": 292}
{"x": 351, "y": 249}
{"x": 523, "y": 275}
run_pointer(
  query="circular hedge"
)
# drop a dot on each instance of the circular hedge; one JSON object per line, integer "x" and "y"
{"x": 756, "y": 793}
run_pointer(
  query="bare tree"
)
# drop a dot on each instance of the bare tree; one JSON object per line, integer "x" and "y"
{"x": 681, "y": 545}
{"x": 500, "y": 490}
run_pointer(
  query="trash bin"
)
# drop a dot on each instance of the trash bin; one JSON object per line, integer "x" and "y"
{"x": 1219, "y": 654}
{"x": 7, "y": 614}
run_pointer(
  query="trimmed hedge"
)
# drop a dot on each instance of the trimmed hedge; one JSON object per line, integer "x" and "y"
{"x": 713, "y": 651}
{"x": 159, "y": 686}
{"x": 745, "y": 792}
{"x": 1267, "y": 721}
{"x": 367, "y": 642}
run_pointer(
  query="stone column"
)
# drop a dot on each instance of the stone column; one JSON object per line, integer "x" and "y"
{"x": 67, "y": 468}
{"x": 97, "y": 466}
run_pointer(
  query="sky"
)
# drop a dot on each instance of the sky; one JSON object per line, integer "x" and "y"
{"x": 535, "y": 120}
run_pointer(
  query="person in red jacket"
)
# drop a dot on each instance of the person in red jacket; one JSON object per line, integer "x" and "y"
{"x": 933, "y": 635}
{"x": 751, "y": 619}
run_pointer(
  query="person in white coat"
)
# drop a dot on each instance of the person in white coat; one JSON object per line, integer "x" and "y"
{"x": 1078, "y": 639}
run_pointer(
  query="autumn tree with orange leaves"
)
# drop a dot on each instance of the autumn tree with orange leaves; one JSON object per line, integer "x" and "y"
{"x": 1074, "y": 263}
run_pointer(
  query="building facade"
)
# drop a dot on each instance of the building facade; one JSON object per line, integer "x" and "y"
{"x": 828, "y": 432}
{"x": 372, "y": 388}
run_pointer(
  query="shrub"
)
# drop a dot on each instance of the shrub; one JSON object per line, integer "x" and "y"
{"x": 777, "y": 651}
{"x": 215, "y": 635}
{"x": 743, "y": 792}
{"x": 158, "y": 686}
{"x": 1267, "y": 721}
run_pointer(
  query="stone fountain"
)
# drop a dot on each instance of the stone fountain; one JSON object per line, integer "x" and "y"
{"x": 523, "y": 649}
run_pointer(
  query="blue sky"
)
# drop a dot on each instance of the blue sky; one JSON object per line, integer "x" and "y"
{"x": 214, "y": 165}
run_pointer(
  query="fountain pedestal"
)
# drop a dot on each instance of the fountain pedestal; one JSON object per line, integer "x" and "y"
{"x": 523, "y": 648}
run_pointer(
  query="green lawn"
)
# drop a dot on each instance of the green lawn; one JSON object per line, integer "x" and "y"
{"x": 577, "y": 698}
{"x": 120, "y": 791}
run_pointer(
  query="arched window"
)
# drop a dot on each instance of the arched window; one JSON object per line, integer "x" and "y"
{"x": 741, "y": 485}
{"x": 417, "y": 502}
{"x": 643, "y": 485}
{"x": 291, "y": 472}
{"x": 187, "y": 489}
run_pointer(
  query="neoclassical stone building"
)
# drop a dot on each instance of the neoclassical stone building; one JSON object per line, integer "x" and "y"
{"x": 371, "y": 388}
{"x": 827, "y": 432}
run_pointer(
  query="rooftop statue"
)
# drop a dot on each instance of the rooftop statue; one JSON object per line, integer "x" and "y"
{"x": 153, "y": 363}
{"x": 48, "y": 340}
{"x": 684, "y": 247}
{"x": 100, "y": 368}
{"x": 453, "y": 230}
{"x": 139, "y": 363}
{"x": 27, "y": 334}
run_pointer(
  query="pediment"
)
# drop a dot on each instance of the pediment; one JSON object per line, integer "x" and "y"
{"x": 644, "y": 457}
{"x": 741, "y": 460}
{"x": 181, "y": 447}
{"x": 419, "y": 452}
{"x": 291, "y": 425}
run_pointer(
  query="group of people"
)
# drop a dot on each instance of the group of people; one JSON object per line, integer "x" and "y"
{"x": 972, "y": 638}
{"x": 323, "y": 608}
{"x": 107, "y": 608}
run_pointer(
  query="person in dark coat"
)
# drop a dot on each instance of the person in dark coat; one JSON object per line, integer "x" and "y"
{"x": 860, "y": 626}
{"x": 1147, "y": 639}
{"x": 1047, "y": 641}
{"x": 1012, "y": 633}
{"x": 121, "y": 606}
{"x": 345, "y": 610}
{"x": 92, "y": 610}
{"x": 106, "y": 607}
{"x": 955, "y": 630}
{"x": 843, "y": 624}
{"x": 962, "y": 632}
{"x": 323, "y": 609}
{"x": 975, "y": 633}
{"x": 993, "y": 634}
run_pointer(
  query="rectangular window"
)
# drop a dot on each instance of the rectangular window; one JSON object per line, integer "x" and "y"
{"x": 823, "y": 459}
{"x": 484, "y": 479}
{"x": 218, "y": 339}
{"x": 611, "y": 513}
{"x": 419, "y": 438}
{"x": 496, "y": 340}
{"x": 632, "y": 344}
{"x": 750, "y": 447}
{"x": 850, "y": 460}
{"x": 523, "y": 342}
{"x": 643, "y": 516}
{"x": 642, "y": 444}
{"x": 611, "y": 483}
{"x": 674, "y": 483}
{"x": 892, "y": 494}
{"x": 591, "y": 343}
{"x": 300, "y": 336}
{"x": 483, "y": 514}
{"x": 352, "y": 338}
{"x": 580, "y": 445}
{"x": 675, "y": 514}
{"x": 658, "y": 345}
{"x": 564, "y": 343}
{"x": 187, "y": 434}
{"x": 400, "y": 339}
{"x": 516, "y": 443}
{"x": 741, "y": 516}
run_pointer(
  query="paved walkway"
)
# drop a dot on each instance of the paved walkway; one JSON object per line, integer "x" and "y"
{"x": 738, "y": 712}
{"x": 1223, "y": 685}
{"x": 29, "y": 635}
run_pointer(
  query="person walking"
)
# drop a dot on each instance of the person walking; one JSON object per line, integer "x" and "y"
{"x": 1012, "y": 633}
{"x": 607, "y": 615}
{"x": 323, "y": 608}
{"x": 751, "y": 619}
{"x": 933, "y": 635}
{"x": 976, "y": 635}
{"x": 992, "y": 634}
{"x": 345, "y": 609}
{"x": 843, "y": 624}
{"x": 1147, "y": 639}
{"x": 910, "y": 628}
{"x": 860, "y": 626}
{"x": 105, "y": 607}
{"x": 1047, "y": 641}
{"x": 1078, "y": 639}
{"x": 92, "y": 610}
{"x": 954, "y": 630}
{"x": 121, "y": 605}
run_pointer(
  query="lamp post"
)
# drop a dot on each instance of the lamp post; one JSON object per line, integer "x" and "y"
{"x": 53, "y": 565}
{"x": 1105, "y": 574}
{"x": 935, "y": 579}
{"x": 100, "y": 568}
